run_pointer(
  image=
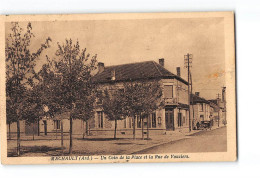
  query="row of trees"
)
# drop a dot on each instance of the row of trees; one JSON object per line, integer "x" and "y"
{"x": 131, "y": 100}
{"x": 64, "y": 84}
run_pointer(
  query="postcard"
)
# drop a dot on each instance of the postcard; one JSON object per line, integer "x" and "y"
{"x": 117, "y": 88}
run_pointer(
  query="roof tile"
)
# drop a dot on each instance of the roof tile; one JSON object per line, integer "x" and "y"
{"x": 135, "y": 71}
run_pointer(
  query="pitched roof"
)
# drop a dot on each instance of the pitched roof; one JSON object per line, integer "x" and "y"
{"x": 135, "y": 71}
{"x": 196, "y": 99}
{"x": 215, "y": 101}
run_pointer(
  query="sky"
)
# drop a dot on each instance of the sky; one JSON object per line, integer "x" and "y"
{"x": 127, "y": 41}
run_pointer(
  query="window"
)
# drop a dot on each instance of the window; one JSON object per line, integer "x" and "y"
{"x": 168, "y": 91}
{"x": 154, "y": 120}
{"x": 56, "y": 124}
{"x": 100, "y": 119}
{"x": 139, "y": 122}
{"x": 124, "y": 123}
{"x": 159, "y": 120}
{"x": 130, "y": 122}
{"x": 99, "y": 100}
{"x": 146, "y": 121}
{"x": 201, "y": 106}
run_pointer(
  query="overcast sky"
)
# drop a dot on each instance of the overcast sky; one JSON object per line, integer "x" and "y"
{"x": 126, "y": 41}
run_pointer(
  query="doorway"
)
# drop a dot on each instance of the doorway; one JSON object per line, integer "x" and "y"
{"x": 179, "y": 119}
{"x": 169, "y": 119}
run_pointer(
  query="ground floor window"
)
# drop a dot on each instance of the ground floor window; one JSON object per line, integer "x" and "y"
{"x": 56, "y": 124}
{"x": 154, "y": 120}
{"x": 139, "y": 122}
{"x": 130, "y": 122}
{"x": 202, "y": 117}
{"x": 100, "y": 119}
{"x": 146, "y": 121}
{"x": 124, "y": 123}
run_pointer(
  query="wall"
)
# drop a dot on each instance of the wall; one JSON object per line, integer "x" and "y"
{"x": 79, "y": 127}
{"x": 180, "y": 90}
{"x": 207, "y": 111}
{"x": 109, "y": 126}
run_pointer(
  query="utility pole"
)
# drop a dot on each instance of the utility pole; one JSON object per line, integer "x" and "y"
{"x": 218, "y": 98}
{"x": 187, "y": 64}
{"x": 192, "y": 102}
{"x": 61, "y": 135}
{"x": 224, "y": 102}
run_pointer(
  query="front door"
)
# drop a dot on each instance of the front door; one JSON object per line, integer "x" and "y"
{"x": 179, "y": 119}
{"x": 169, "y": 119}
{"x": 45, "y": 127}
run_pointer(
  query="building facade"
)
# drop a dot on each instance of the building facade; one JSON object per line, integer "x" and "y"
{"x": 172, "y": 117}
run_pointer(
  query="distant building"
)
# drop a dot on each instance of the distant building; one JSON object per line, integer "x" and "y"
{"x": 201, "y": 109}
{"x": 219, "y": 114}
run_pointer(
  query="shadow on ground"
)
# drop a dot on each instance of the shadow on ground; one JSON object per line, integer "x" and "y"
{"x": 107, "y": 139}
{"x": 35, "y": 149}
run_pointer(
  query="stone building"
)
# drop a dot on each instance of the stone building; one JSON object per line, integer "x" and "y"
{"x": 173, "y": 116}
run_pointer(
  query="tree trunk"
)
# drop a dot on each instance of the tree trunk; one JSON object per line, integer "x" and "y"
{"x": 133, "y": 127}
{"x": 148, "y": 122}
{"x": 56, "y": 132}
{"x": 18, "y": 138}
{"x": 38, "y": 127}
{"x": 115, "y": 128}
{"x": 83, "y": 132}
{"x": 9, "y": 126}
{"x": 33, "y": 129}
{"x": 142, "y": 119}
{"x": 61, "y": 130}
{"x": 87, "y": 128}
{"x": 70, "y": 149}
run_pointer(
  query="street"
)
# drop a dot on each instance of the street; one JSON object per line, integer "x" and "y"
{"x": 204, "y": 141}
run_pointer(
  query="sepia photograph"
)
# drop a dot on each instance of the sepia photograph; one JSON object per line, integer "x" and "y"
{"x": 103, "y": 88}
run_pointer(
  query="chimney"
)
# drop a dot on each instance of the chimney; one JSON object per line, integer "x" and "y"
{"x": 178, "y": 69}
{"x": 197, "y": 93}
{"x": 113, "y": 75}
{"x": 161, "y": 61}
{"x": 101, "y": 67}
